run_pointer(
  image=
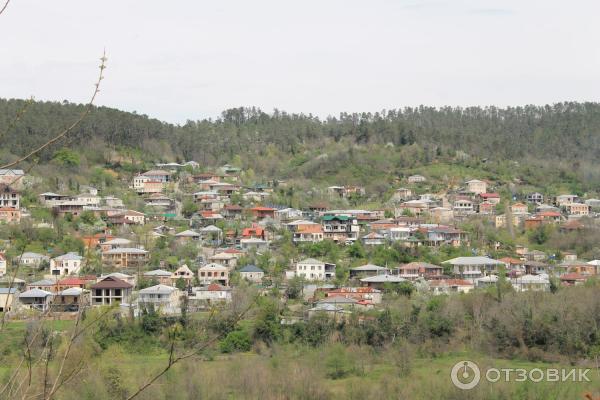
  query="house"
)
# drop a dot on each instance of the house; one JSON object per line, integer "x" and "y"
{"x": 212, "y": 234}
{"x": 88, "y": 199}
{"x": 287, "y": 214}
{"x": 159, "y": 200}
{"x": 414, "y": 270}
{"x": 416, "y": 179}
{"x": 227, "y": 259}
{"x": 162, "y": 298}
{"x": 402, "y": 194}
{"x": 337, "y": 313}
{"x": 373, "y": 239}
{"x": 564, "y": 199}
{"x": 367, "y": 270}
{"x": 187, "y": 236}
{"x": 213, "y": 273}
{"x": 488, "y": 280}
{"x": 517, "y": 220}
{"x": 379, "y": 281}
{"x": 476, "y": 186}
{"x": 577, "y": 209}
{"x": 9, "y": 196}
{"x": 573, "y": 279}
{"x": 398, "y": 233}
{"x": 412, "y": 207}
{"x": 136, "y": 217}
{"x": 115, "y": 243}
{"x": 340, "y": 228}
{"x": 572, "y": 225}
{"x": 32, "y": 259}
{"x": 438, "y": 235}
{"x": 12, "y": 177}
{"x": 125, "y": 257}
{"x": 311, "y": 269}
{"x": 10, "y": 215}
{"x": 519, "y": 208}
{"x": 486, "y": 208}
{"x": 113, "y": 202}
{"x": 513, "y": 264}
{"x": 255, "y": 232}
{"x": 263, "y": 212}
{"x": 463, "y": 207}
{"x": 309, "y": 232}
{"x": 441, "y": 215}
{"x": 72, "y": 207}
{"x": 7, "y": 295}
{"x": 252, "y": 273}
{"x": 48, "y": 285}
{"x": 534, "y": 283}
{"x": 119, "y": 275}
{"x": 49, "y": 198}
{"x": 493, "y": 198}
{"x": 110, "y": 291}
{"x": 361, "y": 294}
{"x": 347, "y": 303}
{"x": 70, "y": 299}
{"x": 72, "y": 282}
{"x": 159, "y": 275}
{"x": 157, "y": 175}
{"x": 2, "y": 265}
{"x": 11, "y": 281}
{"x": 536, "y": 198}
{"x": 535, "y": 255}
{"x": 473, "y": 267}
{"x": 232, "y": 211}
{"x": 185, "y": 273}
{"x": 345, "y": 191}
{"x": 97, "y": 239}
{"x": 35, "y": 299}
{"x": 579, "y": 267}
{"x": 67, "y": 264}
{"x": 448, "y": 286}
{"x": 251, "y": 243}
{"x": 212, "y": 293}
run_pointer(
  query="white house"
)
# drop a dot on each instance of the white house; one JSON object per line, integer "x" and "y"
{"x": 315, "y": 270}
{"x": 165, "y": 299}
{"x": 252, "y": 273}
{"x": 67, "y": 264}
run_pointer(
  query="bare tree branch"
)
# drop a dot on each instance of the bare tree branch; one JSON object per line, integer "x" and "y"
{"x": 174, "y": 360}
{"x": 88, "y": 109}
{"x": 4, "y": 7}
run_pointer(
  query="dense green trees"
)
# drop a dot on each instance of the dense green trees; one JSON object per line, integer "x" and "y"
{"x": 352, "y": 147}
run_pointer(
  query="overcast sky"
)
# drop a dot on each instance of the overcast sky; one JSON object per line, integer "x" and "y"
{"x": 179, "y": 60}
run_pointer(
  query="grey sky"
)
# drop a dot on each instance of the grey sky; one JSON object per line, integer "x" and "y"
{"x": 178, "y": 60}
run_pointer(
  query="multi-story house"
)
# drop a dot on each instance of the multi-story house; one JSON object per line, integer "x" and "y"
{"x": 162, "y": 298}
{"x": 9, "y": 197}
{"x": 214, "y": 273}
{"x": 340, "y": 228}
{"x": 111, "y": 290}
{"x": 125, "y": 257}
{"x": 66, "y": 264}
{"x": 535, "y": 197}
{"x": 314, "y": 270}
{"x": 476, "y": 186}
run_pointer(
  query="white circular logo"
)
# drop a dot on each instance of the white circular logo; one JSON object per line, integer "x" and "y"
{"x": 465, "y": 375}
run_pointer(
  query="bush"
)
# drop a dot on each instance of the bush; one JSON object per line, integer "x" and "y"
{"x": 236, "y": 341}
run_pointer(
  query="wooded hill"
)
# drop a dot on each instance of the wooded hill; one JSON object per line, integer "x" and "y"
{"x": 536, "y": 144}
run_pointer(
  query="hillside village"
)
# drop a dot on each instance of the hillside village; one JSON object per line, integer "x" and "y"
{"x": 176, "y": 236}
